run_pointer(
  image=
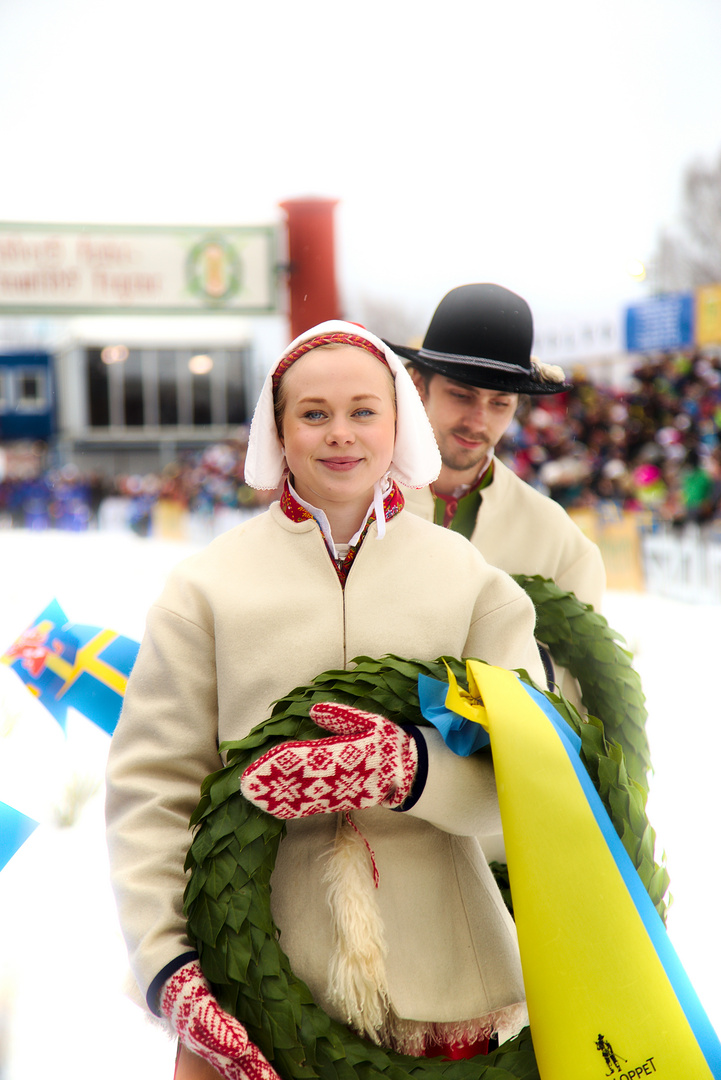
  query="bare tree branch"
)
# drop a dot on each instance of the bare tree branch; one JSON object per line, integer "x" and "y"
{"x": 693, "y": 257}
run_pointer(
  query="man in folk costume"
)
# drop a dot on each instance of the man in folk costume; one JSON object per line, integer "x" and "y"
{"x": 474, "y": 363}
{"x": 380, "y": 818}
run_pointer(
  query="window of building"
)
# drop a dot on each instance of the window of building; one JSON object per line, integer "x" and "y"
{"x": 132, "y": 371}
{"x": 202, "y": 401}
{"x": 167, "y": 368}
{"x": 154, "y": 387}
{"x": 31, "y": 389}
{"x": 98, "y": 390}
{"x": 235, "y": 390}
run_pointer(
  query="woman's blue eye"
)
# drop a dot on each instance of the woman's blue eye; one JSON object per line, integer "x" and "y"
{"x": 319, "y": 414}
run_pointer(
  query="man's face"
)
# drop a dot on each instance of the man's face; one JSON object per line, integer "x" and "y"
{"x": 467, "y": 420}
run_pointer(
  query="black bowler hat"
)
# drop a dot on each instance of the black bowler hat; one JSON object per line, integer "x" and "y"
{"x": 482, "y": 335}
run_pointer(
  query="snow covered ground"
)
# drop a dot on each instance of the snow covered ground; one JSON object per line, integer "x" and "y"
{"x": 63, "y": 1011}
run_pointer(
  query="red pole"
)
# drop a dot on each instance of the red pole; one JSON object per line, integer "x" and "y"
{"x": 311, "y": 252}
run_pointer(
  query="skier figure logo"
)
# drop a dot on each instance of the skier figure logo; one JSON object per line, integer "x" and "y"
{"x": 609, "y": 1056}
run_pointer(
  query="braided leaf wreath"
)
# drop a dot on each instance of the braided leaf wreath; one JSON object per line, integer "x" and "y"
{"x": 231, "y": 859}
{"x": 582, "y": 641}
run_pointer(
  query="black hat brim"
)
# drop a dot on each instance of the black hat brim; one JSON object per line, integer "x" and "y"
{"x": 473, "y": 374}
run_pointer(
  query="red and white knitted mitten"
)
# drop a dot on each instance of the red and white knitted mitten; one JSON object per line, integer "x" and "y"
{"x": 370, "y": 762}
{"x": 210, "y": 1032}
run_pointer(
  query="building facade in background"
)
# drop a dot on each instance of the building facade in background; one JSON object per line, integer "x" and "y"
{"x": 134, "y": 395}
{"x": 122, "y": 348}
{"x": 155, "y": 340}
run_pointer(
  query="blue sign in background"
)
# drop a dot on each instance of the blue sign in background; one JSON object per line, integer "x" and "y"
{"x": 662, "y": 322}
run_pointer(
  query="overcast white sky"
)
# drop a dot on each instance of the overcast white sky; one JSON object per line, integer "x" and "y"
{"x": 540, "y": 145}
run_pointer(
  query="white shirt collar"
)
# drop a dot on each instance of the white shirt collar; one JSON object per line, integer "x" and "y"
{"x": 322, "y": 518}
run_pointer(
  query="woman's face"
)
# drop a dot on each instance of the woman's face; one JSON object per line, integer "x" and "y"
{"x": 338, "y": 426}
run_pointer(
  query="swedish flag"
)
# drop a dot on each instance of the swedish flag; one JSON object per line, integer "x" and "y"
{"x": 96, "y": 685}
{"x": 72, "y": 664}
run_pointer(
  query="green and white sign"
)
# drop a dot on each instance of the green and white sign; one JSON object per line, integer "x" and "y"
{"x": 74, "y": 269}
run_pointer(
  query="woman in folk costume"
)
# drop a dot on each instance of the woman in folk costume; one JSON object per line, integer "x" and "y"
{"x": 385, "y": 903}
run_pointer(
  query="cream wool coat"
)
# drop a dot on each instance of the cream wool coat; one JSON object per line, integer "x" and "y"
{"x": 524, "y": 532}
{"x": 258, "y": 612}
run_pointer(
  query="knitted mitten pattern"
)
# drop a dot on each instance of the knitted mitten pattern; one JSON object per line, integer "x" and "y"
{"x": 214, "y": 1035}
{"x": 370, "y": 762}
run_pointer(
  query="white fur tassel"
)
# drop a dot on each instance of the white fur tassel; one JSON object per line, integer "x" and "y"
{"x": 357, "y": 982}
{"x": 356, "y": 973}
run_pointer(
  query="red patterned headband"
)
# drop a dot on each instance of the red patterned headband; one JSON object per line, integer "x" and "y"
{"x": 325, "y": 339}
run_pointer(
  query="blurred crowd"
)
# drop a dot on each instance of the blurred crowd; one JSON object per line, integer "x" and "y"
{"x": 653, "y": 446}
{"x": 69, "y": 499}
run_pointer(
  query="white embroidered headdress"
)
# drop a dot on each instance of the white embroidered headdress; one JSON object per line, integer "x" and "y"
{"x": 416, "y": 459}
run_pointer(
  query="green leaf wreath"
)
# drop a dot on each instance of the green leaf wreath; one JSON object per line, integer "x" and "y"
{"x": 581, "y": 640}
{"x": 231, "y": 859}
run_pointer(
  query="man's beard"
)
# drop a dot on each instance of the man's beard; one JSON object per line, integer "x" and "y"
{"x": 460, "y": 459}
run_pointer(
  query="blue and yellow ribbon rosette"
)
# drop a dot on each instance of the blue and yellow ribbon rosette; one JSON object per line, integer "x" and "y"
{"x": 607, "y": 994}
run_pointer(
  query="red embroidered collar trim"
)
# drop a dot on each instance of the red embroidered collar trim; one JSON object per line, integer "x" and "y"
{"x": 393, "y": 503}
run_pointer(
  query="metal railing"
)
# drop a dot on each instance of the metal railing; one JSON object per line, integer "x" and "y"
{"x": 684, "y": 564}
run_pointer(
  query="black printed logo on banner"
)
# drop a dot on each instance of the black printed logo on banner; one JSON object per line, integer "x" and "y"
{"x": 613, "y": 1061}
{"x": 609, "y": 1056}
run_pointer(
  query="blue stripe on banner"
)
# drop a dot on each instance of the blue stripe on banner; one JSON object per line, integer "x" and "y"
{"x": 679, "y": 980}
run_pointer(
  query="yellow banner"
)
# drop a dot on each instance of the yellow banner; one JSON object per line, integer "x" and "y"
{"x": 600, "y": 999}
{"x": 708, "y": 315}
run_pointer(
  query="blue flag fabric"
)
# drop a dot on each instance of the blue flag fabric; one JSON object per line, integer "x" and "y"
{"x": 15, "y": 828}
{"x": 461, "y": 736}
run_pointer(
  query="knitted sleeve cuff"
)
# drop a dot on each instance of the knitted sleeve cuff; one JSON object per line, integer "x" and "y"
{"x": 421, "y": 776}
{"x": 153, "y": 995}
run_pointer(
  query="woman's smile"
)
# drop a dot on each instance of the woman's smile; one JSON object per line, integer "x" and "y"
{"x": 340, "y": 464}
